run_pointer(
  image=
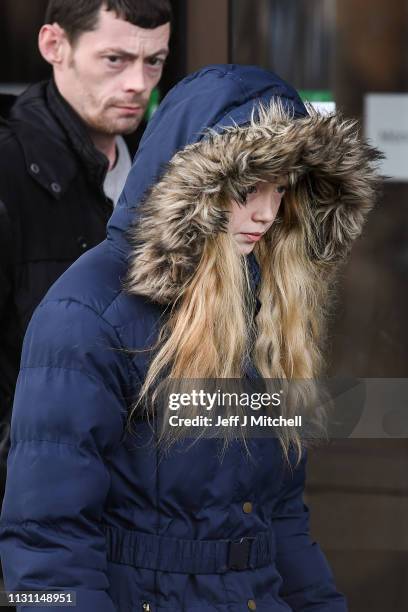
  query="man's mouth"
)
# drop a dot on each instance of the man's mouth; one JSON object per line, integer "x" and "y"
{"x": 129, "y": 108}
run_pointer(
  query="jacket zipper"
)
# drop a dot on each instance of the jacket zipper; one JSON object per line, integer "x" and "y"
{"x": 146, "y": 607}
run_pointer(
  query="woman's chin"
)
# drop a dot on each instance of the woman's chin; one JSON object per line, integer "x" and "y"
{"x": 246, "y": 248}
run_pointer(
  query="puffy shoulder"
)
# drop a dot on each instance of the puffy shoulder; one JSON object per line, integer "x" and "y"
{"x": 72, "y": 385}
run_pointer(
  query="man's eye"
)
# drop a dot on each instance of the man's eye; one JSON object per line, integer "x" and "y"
{"x": 156, "y": 61}
{"x": 114, "y": 59}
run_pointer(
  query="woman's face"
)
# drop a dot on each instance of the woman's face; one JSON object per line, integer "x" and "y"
{"x": 249, "y": 222}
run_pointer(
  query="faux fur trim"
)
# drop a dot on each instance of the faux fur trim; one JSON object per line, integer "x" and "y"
{"x": 184, "y": 208}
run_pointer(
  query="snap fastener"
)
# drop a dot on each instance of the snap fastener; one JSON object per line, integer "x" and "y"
{"x": 251, "y": 604}
{"x": 56, "y": 187}
{"x": 82, "y": 243}
{"x": 35, "y": 168}
{"x": 247, "y": 507}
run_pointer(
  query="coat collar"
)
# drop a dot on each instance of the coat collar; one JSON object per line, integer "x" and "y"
{"x": 49, "y": 132}
{"x": 77, "y": 133}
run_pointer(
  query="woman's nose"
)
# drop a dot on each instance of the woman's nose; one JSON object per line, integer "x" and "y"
{"x": 267, "y": 210}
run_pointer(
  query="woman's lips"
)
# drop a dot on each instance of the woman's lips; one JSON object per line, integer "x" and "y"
{"x": 252, "y": 237}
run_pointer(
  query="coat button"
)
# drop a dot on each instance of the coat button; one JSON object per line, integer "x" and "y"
{"x": 247, "y": 507}
{"x": 35, "y": 168}
{"x": 251, "y": 604}
{"x": 56, "y": 187}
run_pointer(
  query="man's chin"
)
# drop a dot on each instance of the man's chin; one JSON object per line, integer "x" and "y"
{"x": 115, "y": 128}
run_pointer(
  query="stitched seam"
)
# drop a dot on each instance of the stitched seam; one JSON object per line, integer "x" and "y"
{"x": 35, "y": 440}
{"x": 92, "y": 450}
{"x": 130, "y": 365}
{"x": 57, "y": 522}
{"x": 69, "y": 369}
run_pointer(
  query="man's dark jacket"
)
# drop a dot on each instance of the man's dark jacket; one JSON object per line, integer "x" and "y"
{"x": 52, "y": 209}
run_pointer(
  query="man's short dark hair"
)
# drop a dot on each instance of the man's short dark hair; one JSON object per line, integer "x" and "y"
{"x": 79, "y": 16}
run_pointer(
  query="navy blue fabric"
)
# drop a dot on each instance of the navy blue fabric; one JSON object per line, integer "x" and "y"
{"x": 92, "y": 507}
{"x": 150, "y": 551}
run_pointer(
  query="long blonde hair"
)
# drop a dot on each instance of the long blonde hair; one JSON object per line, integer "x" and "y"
{"x": 210, "y": 331}
{"x": 184, "y": 258}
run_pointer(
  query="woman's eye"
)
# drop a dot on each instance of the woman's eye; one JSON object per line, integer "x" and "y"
{"x": 281, "y": 189}
{"x": 252, "y": 189}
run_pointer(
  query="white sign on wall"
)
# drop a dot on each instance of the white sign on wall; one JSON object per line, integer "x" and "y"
{"x": 324, "y": 108}
{"x": 386, "y": 126}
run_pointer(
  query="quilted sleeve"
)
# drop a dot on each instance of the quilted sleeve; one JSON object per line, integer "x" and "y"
{"x": 308, "y": 582}
{"x": 67, "y": 417}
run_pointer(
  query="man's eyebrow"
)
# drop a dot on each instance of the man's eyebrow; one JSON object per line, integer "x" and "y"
{"x": 119, "y": 51}
{"x": 160, "y": 52}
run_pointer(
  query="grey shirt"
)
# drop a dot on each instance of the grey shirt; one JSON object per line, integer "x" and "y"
{"x": 116, "y": 177}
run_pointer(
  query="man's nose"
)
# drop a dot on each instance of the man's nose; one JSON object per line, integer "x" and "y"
{"x": 135, "y": 79}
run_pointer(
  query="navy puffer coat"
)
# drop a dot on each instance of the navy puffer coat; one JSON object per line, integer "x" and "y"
{"x": 91, "y": 509}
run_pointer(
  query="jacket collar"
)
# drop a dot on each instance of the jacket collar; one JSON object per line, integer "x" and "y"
{"x": 49, "y": 131}
{"x": 77, "y": 134}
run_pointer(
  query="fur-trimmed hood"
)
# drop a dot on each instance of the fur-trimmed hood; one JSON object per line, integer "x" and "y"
{"x": 216, "y": 134}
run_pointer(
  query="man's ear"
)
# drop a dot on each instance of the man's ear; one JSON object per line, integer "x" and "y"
{"x": 52, "y": 43}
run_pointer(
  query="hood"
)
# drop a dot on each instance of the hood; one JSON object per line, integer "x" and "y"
{"x": 217, "y": 132}
{"x": 215, "y": 97}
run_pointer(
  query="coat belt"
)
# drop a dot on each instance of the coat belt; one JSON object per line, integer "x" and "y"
{"x": 149, "y": 551}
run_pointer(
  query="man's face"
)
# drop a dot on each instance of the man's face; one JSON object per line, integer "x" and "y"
{"x": 108, "y": 74}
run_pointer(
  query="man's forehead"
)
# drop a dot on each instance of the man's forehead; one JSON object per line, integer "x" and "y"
{"x": 114, "y": 31}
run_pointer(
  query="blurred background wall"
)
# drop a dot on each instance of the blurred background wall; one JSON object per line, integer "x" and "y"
{"x": 357, "y": 488}
{"x": 344, "y": 49}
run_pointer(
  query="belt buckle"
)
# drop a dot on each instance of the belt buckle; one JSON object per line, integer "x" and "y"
{"x": 238, "y": 553}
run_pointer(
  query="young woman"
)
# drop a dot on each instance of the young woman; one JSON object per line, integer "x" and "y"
{"x": 239, "y": 206}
